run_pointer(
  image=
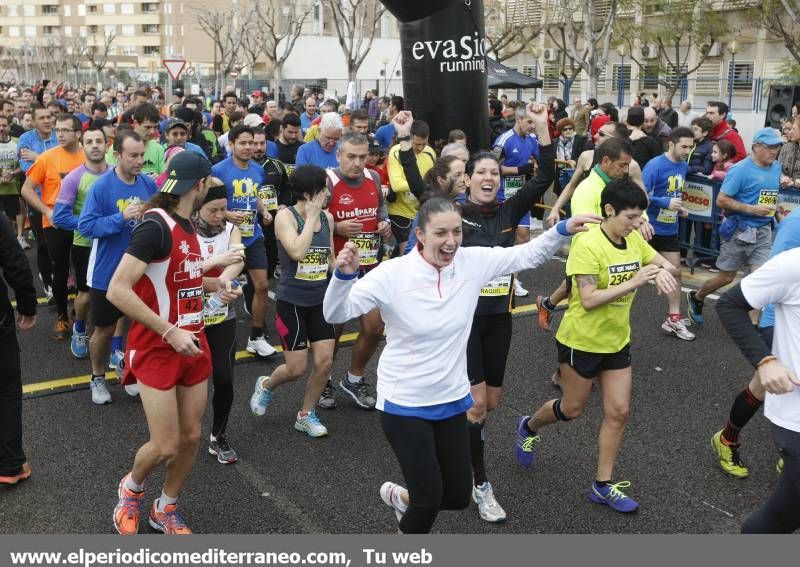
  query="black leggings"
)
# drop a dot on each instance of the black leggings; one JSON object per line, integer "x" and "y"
{"x": 780, "y": 514}
{"x": 12, "y": 456}
{"x": 222, "y": 342}
{"x": 42, "y": 257}
{"x": 59, "y": 246}
{"x": 435, "y": 459}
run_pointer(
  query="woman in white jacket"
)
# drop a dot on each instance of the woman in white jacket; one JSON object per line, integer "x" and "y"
{"x": 427, "y": 299}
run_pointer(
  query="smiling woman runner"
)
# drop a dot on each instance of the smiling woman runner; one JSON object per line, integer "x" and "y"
{"x": 423, "y": 391}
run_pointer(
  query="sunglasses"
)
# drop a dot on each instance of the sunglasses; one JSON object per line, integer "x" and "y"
{"x": 772, "y": 146}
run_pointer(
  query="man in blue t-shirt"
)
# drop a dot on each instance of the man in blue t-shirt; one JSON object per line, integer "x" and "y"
{"x": 311, "y": 114}
{"x": 385, "y": 134}
{"x": 322, "y": 151}
{"x": 112, "y": 210}
{"x": 749, "y": 196}
{"x": 663, "y": 178}
{"x": 517, "y": 149}
{"x": 243, "y": 179}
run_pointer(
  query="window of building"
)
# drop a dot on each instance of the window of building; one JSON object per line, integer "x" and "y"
{"x": 81, "y": 9}
{"x": 149, "y": 7}
{"x": 621, "y": 73}
{"x": 126, "y": 9}
{"x": 92, "y": 9}
{"x": 30, "y": 31}
{"x": 550, "y": 76}
{"x": 530, "y": 70}
{"x": 49, "y": 30}
{"x": 648, "y": 78}
{"x": 29, "y": 10}
{"x": 129, "y": 50}
{"x": 49, "y": 10}
{"x": 152, "y": 50}
{"x": 110, "y": 30}
{"x": 82, "y": 31}
{"x": 12, "y": 11}
{"x": 109, "y": 9}
{"x": 67, "y": 10}
{"x": 742, "y": 76}
{"x": 168, "y": 7}
{"x": 128, "y": 29}
{"x": 317, "y": 15}
{"x": 92, "y": 29}
{"x": 153, "y": 28}
{"x": 13, "y": 31}
{"x": 68, "y": 31}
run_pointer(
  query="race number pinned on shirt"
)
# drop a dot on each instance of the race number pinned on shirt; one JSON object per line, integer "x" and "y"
{"x": 269, "y": 197}
{"x": 769, "y": 198}
{"x": 314, "y": 265}
{"x": 368, "y": 244}
{"x": 247, "y": 228}
{"x": 190, "y": 306}
{"x": 667, "y": 216}
{"x": 214, "y": 316}
{"x": 497, "y": 287}
{"x": 618, "y": 274}
{"x": 513, "y": 183}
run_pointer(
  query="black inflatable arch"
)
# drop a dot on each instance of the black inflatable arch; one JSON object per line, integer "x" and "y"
{"x": 444, "y": 66}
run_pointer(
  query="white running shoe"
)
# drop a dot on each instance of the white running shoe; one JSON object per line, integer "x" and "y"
{"x": 23, "y": 242}
{"x": 678, "y": 328}
{"x": 100, "y": 393}
{"x": 390, "y": 494}
{"x": 310, "y": 425}
{"x": 488, "y": 507}
{"x": 520, "y": 291}
{"x": 132, "y": 389}
{"x": 260, "y": 346}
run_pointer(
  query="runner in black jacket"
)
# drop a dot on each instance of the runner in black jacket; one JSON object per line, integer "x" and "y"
{"x": 485, "y": 222}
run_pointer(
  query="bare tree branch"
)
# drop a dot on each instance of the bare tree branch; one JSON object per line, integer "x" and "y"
{"x": 508, "y": 32}
{"x": 356, "y": 23}
{"x": 224, "y": 29}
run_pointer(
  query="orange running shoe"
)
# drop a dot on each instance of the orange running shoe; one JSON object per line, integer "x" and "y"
{"x": 543, "y": 314}
{"x": 24, "y": 474}
{"x": 126, "y": 513}
{"x": 168, "y": 522}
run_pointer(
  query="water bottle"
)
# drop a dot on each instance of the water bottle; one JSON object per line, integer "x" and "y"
{"x": 214, "y": 302}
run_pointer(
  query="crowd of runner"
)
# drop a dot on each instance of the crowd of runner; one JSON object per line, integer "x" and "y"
{"x": 151, "y": 220}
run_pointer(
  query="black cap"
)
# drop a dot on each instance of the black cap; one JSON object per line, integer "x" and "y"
{"x": 185, "y": 169}
{"x": 173, "y": 122}
{"x": 187, "y": 115}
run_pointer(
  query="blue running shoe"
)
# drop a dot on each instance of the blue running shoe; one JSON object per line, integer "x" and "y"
{"x": 261, "y": 397}
{"x": 525, "y": 442}
{"x": 612, "y": 496}
{"x": 79, "y": 344}
{"x": 695, "y": 308}
{"x": 115, "y": 358}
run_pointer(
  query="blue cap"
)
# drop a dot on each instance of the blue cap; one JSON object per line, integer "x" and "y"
{"x": 768, "y": 137}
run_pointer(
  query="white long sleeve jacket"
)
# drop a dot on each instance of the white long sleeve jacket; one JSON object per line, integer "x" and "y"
{"x": 428, "y": 315}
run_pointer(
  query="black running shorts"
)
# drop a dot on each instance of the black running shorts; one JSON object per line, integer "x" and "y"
{"x": 590, "y": 365}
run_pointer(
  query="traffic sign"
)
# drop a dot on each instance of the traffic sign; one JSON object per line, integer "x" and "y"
{"x": 174, "y": 67}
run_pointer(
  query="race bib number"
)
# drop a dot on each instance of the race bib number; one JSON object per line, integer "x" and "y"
{"x": 190, "y": 306}
{"x": 667, "y": 216}
{"x": 368, "y": 244}
{"x": 289, "y": 169}
{"x": 618, "y": 274}
{"x": 269, "y": 197}
{"x": 247, "y": 228}
{"x": 314, "y": 265}
{"x": 214, "y": 316}
{"x": 513, "y": 183}
{"x": 497, "y": 287}
{"x": 768, "y": 198}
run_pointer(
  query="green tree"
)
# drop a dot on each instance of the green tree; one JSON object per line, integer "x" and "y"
{"x": 679, "y": 30}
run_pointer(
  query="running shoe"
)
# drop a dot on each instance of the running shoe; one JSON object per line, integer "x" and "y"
{"x": 613, "y": 497}
{"x": 23, "y": 243}
{"x": 728, "y": 455}
{"x": 310, "y": 425}
{"x": 131, "y": 389}
{"x": 168, "y": 522}
{"x": 361, "y": 392}
{"x": 100, "y": 393}
{"x": 219, "y": 446}
{"x": 127, "y": 510}
{"x": 695, "y": 308}
{"x": 23, "y": 474}
{"x": 260, "y": 347}
{"x": 115, "y": 358}
{"x": 520, "y": 291}
{"x": 79, "y": 344}
{"x": 678, "y": 329}
{"x": 543, "y": 314}
{"x": 328, "y": 398}
{"x": 61, "y": 328}
{"x": 48, "y": 295}
{"x": 779, "y": 466}
{"x": 526, "y": 440}
{"x": 390, "y": 494}
{"x": 488, "y": 507}
{"x": 261, "y": 397}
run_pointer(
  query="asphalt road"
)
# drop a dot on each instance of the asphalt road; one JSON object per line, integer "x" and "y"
{"x": 286, "y": 482}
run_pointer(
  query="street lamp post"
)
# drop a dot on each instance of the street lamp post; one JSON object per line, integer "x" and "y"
{"x": 385, "y": 62}
{"x": 621, "y": 77}
{"x": 732, "y": 47}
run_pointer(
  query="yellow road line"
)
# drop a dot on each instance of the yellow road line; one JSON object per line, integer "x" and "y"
{"x": 37, "y": 387}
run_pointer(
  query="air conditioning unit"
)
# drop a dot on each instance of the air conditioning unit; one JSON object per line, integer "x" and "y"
{"x": 550, "y": 54}
{"x": 649, "y": 51}
{"x": 712, "y": 50}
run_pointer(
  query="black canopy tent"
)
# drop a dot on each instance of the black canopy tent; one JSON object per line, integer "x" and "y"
{"x": 501, "y": 77}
